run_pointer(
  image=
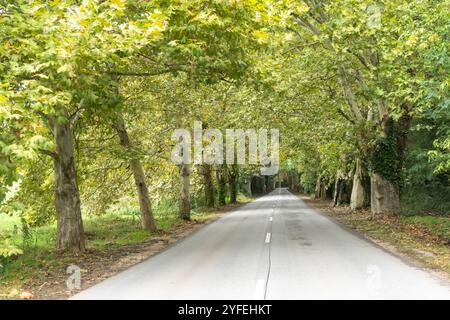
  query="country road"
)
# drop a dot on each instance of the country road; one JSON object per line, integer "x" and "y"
{"x": 273, "y": 248}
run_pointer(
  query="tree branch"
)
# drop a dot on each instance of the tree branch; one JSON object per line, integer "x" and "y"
{"x": 342, "y": 113}
{"x": 140, "y": 74}
{"x": 49, "y": 153}
{"x": 75, "y": 116}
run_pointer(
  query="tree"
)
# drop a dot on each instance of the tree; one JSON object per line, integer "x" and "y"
{"x": 49, "y": 82}
{"x": 147, "y": 220}
{"x": 234, "y": 182}
{"x": 185, "y": 205}
{"x": 222, "y": 184}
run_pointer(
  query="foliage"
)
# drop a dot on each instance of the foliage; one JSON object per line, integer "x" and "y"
{"x": 385, "y": 159}
{"x": 7, "y": 250}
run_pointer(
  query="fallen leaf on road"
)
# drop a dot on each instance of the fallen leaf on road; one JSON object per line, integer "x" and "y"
{"x": 25, "y": 295}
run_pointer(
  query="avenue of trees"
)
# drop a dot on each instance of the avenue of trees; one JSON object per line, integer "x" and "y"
{"x": 92, "y": 90}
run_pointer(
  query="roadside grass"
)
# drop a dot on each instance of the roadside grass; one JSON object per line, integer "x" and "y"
{"x": 434, "y": 225}
{"x": 103, "y": 233}
{"x": 421, "y": 237}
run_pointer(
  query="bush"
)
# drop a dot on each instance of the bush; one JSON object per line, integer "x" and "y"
{"x": 7, "y": 251}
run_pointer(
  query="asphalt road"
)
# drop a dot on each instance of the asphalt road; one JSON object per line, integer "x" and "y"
{"x": 273, "y": 248}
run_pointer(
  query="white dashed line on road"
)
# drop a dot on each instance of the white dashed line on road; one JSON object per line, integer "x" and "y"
{"x": 260, "y": 289}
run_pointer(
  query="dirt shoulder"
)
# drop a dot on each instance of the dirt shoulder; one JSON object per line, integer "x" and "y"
{"x": 97, "y": 265}
{"x": 418, "y": 240}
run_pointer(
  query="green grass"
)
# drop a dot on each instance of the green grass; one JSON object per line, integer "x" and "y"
{"x": 111, "y": 228}
{"x": 39, "y": 255}
{"x": 439, "y": 226}
{"x": 425, "y": 238}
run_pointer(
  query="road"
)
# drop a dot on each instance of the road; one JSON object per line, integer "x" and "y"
{"x": 273, "y": 248}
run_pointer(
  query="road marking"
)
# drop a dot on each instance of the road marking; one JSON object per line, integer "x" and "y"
{"x": 268, "y": 237}
{"x": 260, "y": 289}
{"x": 270, "y": 218}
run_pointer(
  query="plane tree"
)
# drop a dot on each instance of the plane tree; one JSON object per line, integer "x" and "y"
{"x": 55, "y": 64}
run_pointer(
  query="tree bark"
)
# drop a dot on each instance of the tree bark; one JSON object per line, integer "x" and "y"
{"x": 233, "y": 175}
{"x": 208, "y": 185}
{"x": 290, "y": 178}
{"x": 69, "y": 230}
{"x": 360, "y": 197}
{"x": 322, "y": 191}
{"x": 384, "y": 196}
{"x": 147, "y": 220}
{"x": 338, "y": 186}
{"x": 296, "y": 184}
{"x": 319, "y": 188}
{"x": 185, "y": 204}
{"x": 387, "y": 163}
{"x": 221, "y": 181}
{"x": 341, "y": 189}
{"x": 249, "y": 185}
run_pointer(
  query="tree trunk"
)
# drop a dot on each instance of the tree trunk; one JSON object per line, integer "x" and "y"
{"x": 185, "y": 205}
{"x": 296, "y": 182}
{"x": 384, "y": 196}
{"x": 264, "y": 186}
{"x": 337, "y": 190}
{"x": 387, "y": 162}
{"x": 293, "y": 181}
{"x": 249, "y": 185}
{"x": 319, "y": 192}
{"x": 322, "y": 191}
{"x": 360, "y": 197}
{"x": 147, "y": 220}
{"x": 220, "y": 175}
{"x": 341, "y": 189}
{"x": 208, "y": 184}
{"x": 233, "y": 175}
{"x": 290, "y": 178}
{"x": 69, "y": 230}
